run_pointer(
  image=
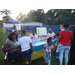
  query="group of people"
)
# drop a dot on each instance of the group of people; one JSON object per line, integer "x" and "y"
{"x": 19, "y": 46}
{"x": 62, "y": 44}
{"x": 22, "y": 47}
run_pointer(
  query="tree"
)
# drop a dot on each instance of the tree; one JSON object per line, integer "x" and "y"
{"x": 20, "y": 17}
{"x": 52, "y": 17}
{"x": 6, "y": 13}
{"x": 58, "y": 16}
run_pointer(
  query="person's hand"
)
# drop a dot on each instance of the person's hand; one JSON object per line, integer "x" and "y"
{"x": 19, "y": 49}
{"x": 31, "y": 52}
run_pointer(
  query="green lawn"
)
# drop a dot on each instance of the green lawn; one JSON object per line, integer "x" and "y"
{"x": 34, "y": 62}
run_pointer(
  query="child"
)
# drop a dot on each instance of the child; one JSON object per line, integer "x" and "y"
{"x": 56, "y": 44}
{"x": 48, "y": 49}
{"x": 26, "y": 47}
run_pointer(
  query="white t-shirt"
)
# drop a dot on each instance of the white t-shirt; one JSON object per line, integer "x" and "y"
{"x": 25, "y": 43}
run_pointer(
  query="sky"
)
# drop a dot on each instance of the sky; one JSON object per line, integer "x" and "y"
{"x": 15, "y": 12}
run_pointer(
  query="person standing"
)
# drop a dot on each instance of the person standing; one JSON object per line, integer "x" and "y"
{"x": 61, "y": 27}
{"x": 48, "y": 49}
{"x": 64, "y": 40}
{"x": 33, "y": 34}
{"x": 26, "y": 47}
{"x": 14, "y": 27}
{"x": 50, "y": 34}
{"x": 72, "y": 50}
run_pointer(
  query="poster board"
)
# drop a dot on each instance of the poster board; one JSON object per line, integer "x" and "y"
{"x": 41, "y": 31}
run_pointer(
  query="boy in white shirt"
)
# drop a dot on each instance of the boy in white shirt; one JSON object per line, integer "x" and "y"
{"x": 26, "y": 47}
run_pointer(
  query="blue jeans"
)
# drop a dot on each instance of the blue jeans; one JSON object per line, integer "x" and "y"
{"x": 63, "y": 49}
{"x": 26, "y": 54}
{"x": 47, "y": 60}
{"x": 57, "y": 53}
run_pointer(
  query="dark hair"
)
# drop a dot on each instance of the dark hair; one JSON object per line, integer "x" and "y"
{"x": 11, "y": 35}
{"x": 49, "y": 39}
{"x": 66, "y": 24}
{"x": 57, "y": 34}
{"x": 23, "y": 31}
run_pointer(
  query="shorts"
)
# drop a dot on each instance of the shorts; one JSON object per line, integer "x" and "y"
{"x": 26, "y": 54}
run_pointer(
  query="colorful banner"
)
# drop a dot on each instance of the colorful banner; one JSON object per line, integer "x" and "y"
{"x": 41, "y": 31}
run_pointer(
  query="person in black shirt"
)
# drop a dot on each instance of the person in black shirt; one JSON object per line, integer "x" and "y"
{"x": 72, "y": 49}
{"x": 14, "y": 27}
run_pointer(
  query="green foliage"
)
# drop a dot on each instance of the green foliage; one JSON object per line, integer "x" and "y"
{"x": 6, "y": 13}
{"x": 51, "y": 17}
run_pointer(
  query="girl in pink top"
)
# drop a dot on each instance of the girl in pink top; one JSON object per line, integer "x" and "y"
{"x": 48, "y": 49}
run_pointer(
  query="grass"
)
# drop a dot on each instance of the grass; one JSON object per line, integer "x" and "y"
{"x": 34, "y": 62}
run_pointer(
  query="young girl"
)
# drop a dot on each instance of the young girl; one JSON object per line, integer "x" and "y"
{"x": 48, "y": 49}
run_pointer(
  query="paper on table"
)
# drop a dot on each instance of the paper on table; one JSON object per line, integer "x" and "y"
{"x": 40, "y": 43}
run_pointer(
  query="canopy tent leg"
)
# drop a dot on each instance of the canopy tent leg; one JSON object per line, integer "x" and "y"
{"x": 3, "y": 30}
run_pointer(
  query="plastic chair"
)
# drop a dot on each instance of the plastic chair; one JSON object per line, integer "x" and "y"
{"x": 6, "y": 57}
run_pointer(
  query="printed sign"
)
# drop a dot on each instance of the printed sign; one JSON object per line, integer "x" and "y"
{"x": 41, "y": 31}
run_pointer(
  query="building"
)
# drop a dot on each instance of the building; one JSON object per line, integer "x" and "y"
{"x": 32, "y": 24}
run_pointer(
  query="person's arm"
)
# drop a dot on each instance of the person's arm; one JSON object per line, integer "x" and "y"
{"x": 55, "y": 39}
{"x": 7, "y": 49}
{"x": 31, "y": 47}
{"x": 19, "y": 43}
{"x": 44, "y": 49}
{"x": 52, "y": 53}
